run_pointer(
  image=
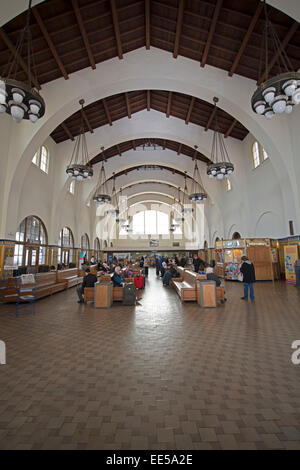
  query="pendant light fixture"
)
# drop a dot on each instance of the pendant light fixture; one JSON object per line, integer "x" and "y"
{"x": 185, "y": 209}
{"x": 79, "y": 167}
{"x": 179, "y": 218}
{"x": 277, "y": 94}
{"x": 221, "y": 165}
{"x": 198, "y": 194}
{"x": 101, "y": 195}
{"x": 120, "y": 220}
{"x": 114, "y": 211}
{"x": 21, "y": 99}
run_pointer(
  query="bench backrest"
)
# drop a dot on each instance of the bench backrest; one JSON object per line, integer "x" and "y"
{"x": 190, "y": 277}
{"x": 46, "y": 278}
{"x": 65, "y": 273}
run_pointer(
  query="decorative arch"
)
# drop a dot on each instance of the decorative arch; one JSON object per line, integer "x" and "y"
{"x": 65, "y": 253}
{"x": 85, "y": 242}
{"x": 236, "y": 236}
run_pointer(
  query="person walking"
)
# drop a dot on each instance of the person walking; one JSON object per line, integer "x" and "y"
{"x": 297, "y": 272}
{"x": 248, "y": 272}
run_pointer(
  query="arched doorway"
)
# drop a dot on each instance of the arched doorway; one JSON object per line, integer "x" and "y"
{"x": 65, "y": 253}
{"x": 32, "y": 242}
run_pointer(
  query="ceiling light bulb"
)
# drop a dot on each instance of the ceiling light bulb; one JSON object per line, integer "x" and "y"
{"x": 3, "y": 107}
{"x": 220, "y": 176}
{"x": 3, "y": 95}
{"x": 289, "y": 87}
{"x": 79, "y": 178}
{"x": 259, "y": 107}
{"x": 18, "y": 95}
{"x": 76, "y": 172}
{"x": 269, "y": 94}
{"x": 17, "y": 112}
{"x": 296, "y": 96}
{"x": 33, "y": 117}
{"x": 279, "y": 104}
{"x": 34, "y": 106}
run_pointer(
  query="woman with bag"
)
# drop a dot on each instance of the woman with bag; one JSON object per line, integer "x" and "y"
{"x": 248, "y": 272}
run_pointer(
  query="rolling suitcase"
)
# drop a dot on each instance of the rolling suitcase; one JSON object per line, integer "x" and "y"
{"x": 129, "y": 294}
{"x": 139, "y": 281}
{"x": 167, "y": 278}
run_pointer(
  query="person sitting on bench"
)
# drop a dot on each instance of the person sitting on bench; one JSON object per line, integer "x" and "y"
{"x": 89, "y": 280}
{"x": 117, "y": 278}
{"x": 211, "y": 276}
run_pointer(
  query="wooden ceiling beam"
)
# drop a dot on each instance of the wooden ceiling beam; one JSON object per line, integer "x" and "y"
{"x": 83, "y": 33}
{"x": 67, "y": 131}
{"x": 164, "y": 145}
{"x": 49, "y": 41}
{"x": 169, "y": 104}
{"x": 188, "y": 116}
{"x": 147, "y": 23}
{"x": 128, "y": 105}
{"x": 22, "y": 63}
{"x": 114, "y": 14}
{"x": 133, "y": 145}
{"x": 230, "y": 128}
{"x": 148, "y": 100}
{"x": 211, "y": 31}
{"x": 119, "y": 151}
{"x": 179, "y": 149}
{"x": 246, "y": 38}
{"x": 86, "y": 121}
{"x": 284, "y": 43}
{"x": 211, "y": 117}
{"x": 108, "y": 116}
{"x": 178, "y": 27}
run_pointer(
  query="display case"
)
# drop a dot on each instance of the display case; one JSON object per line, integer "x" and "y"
{"x": 233, "y": 251}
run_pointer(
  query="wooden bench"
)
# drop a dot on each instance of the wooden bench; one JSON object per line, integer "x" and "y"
{"x": 71, "y": 276}
{"x": 47, "y": 284}
{"x": 9, "y": 290}
{"x": 89, "y": 294}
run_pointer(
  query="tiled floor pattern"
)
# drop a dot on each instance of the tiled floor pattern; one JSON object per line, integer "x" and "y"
{"x": 161, "y": 375}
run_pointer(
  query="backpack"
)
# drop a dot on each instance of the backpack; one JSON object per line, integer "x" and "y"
{"x": 139, "y": 281}
{"x": 129, "y": 294}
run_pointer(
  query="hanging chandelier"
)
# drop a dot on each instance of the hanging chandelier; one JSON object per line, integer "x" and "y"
{"x": 198, "y": 193}
{"x": 179, "y": 219}
{"x": 185, "y": 209}
{"x": 221, "y": 165}
{"x": 278, "y": 94}
{"x": 79, "y": 168}
{"x": 114, "y": 211}
{"x": 20, "y": 99}
{"x": 121, "y": 220}
{"x": 101, "y": 195}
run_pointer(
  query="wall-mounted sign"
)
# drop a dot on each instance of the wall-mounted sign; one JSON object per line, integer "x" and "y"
{"x": 290, "y": 256}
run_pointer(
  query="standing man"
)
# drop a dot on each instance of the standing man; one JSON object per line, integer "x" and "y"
{"x": 297, "y": 271}
{"x": 248, "y": 271}
{"x": 89, "y": 280}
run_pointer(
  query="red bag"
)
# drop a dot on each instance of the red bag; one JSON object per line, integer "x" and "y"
{"x": 139, "y": 281}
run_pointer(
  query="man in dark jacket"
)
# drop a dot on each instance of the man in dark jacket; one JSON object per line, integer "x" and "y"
{"x": 248, "y": 271}
{"x": 89, "y": 280}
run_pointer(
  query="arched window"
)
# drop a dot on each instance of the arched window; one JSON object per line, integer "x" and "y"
{"x": 236, "y": 236}
{"x": 72, "y": 187}
{"x": 259, "y": 155}
{"x": 97, "y": 248}
{"x": 41, "y": 159}
{"x": 150, "y": 222}
{"x": 228, "y": 185}
{"x": 85, "y": 243}
{"x": 66, "y": 246}
{"x": 32, "y": 239}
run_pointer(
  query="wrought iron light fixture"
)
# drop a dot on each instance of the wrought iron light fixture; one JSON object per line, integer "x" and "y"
{"x": 114, "y": 211}
{"x": 149, "y": 145}
{"x": 278, "y": 94}
{"x": 101, "y": 195}
{"x": 198, "y": 193}
{"x": 179, "y": 219}
{"x": 121, "y": 220}
{"x": 21, "y": 100}
{"x": 79, "y": 167}
{"x": 221, "y": 165}
{"x": 185, "y": 209}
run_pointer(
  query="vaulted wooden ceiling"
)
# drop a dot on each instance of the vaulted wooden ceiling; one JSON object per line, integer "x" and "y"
{"x": 124, "y": 147}
{"x": 149, "y": 167}
{"x": 179, "y": 105}
{"x": 69, "y": 35}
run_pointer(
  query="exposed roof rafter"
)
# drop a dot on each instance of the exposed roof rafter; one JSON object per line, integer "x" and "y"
{"x": 230, "y": 129}
{"x": 107, "y": 112}
{"x": 116, "y": 27}
{"x": 169, "y": 104}
{"x": 147, "y": 23}
{"x": 188, "y": 116}
{"x": 83, "y": 33}
{"x": 128, "y": 105}
{"x": 178, "y": 27}
{"x": 211, "y": 31}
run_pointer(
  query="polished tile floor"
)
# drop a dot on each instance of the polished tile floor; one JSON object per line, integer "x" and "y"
{"x": 161, "y": 375}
